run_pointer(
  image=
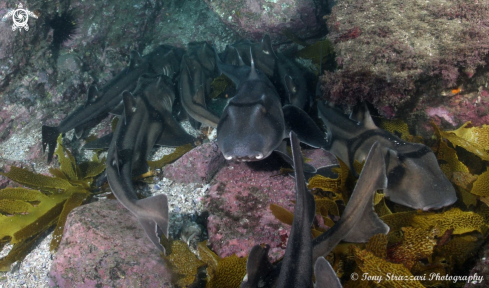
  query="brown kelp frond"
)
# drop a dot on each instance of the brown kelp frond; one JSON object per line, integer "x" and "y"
{"x": 167, "y": 159}
{"x": 184, "y": 264}
{"x": 419, "y": 242}
{"x": 26, "y": 213}
{"x": 219, "y": 85}
{"x": 222, "y": 272}
{"x": 472, "y": 139}
{"x": 378, "y": 268}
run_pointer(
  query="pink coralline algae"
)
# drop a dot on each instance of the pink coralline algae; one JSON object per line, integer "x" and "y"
{"x": 405, "y": 48}
{"x": 239, "y": 201}
{"x": 197, "y": 166}
{"x": 104, "y": 246}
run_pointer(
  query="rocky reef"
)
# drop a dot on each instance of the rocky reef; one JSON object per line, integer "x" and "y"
{"x": 410, "y": 56}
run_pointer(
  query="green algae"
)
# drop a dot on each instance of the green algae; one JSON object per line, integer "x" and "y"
{"x": 25, "y": 213}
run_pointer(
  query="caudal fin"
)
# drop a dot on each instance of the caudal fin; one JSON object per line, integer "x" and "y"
{"x": 49, "y": 138}
{"x": 153, "y": 216}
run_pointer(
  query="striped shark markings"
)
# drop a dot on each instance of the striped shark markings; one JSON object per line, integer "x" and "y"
{"x": 357, "y": 224}
{"x": 414, "y": 178}
{"x": 101, "y": 101}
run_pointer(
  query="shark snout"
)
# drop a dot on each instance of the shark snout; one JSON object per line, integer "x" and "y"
{"x": 243, "y": 155}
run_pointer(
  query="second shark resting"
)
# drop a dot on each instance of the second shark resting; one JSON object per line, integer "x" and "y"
{"x": 271, "y": 93}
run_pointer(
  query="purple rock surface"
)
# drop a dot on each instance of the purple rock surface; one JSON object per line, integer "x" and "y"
{"x": 103, "y": 245}
{"x": 252, "y": 19}
{"x": 481, "y": 269}
{"x": 197, "y": 166}
{"x": 240, "y": 217}
{"x": 395, "y": 54}
{"x": 319, "y": 157}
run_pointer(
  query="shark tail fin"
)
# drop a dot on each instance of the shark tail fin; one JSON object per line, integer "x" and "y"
{"x": 155, "y": 218}
{"x": 325, "y": 275}
{"x": 49, "y": 138}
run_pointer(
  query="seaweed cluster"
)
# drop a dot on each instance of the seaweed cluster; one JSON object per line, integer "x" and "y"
{"x": 27, "y": 213}
{"x": 418, "y": 243}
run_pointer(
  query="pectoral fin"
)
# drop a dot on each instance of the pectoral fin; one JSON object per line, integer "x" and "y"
{"x": 282, "y": 151}
{"x": 359, "y": 207}
{"x": 415, "y": 179}
{"x": 306, "y": 129}
{"x": 325, "y": 275}
{"x": 101, "y": 143}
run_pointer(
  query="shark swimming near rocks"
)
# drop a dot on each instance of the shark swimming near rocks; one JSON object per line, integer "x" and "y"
{"x": 130, "y": 145}
{"x": 357, "y": 224}
{"x": 197, "y": 70}
{"x": 164, "y": 59}
{"x": 254, "y": 122}
{"x": 163, "y": 126}
{"x": 414, "y": 178}
{"x": 282, "y": 71}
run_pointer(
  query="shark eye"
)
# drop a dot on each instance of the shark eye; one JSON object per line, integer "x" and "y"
{"x": 133, "y": 109}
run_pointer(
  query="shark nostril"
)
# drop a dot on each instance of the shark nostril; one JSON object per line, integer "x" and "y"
{"x": 228, "y": 157}
{"x": 259, "y": 156}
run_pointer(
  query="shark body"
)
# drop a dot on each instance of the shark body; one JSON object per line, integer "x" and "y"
{"x": 128, "y": 149}
{"x": 357, "y": 224}
{"x": 414, "y": 178}
{"x": 282, "y": 71}
{"x": 157, "y": 93}
{"x": 164, "y": 59}
{"x": 254, "y": 122}
{"x": 197, "y": 70}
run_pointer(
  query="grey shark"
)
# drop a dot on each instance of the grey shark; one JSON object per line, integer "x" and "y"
{"x": 164, "y": 59}
{"x": 357, "y": 224}
{"x": 253, "y": 123}
{"x": 296, "y": 266}
{"x": 197, "y": 70}
{"x": 414, "y": 178}
{"x": 126, "y": 149}
{"x": 157, "y": 94}
{"x": 279, "y": 68}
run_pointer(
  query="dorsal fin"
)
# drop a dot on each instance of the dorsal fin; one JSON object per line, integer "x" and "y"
{"x": 253, "y": 74}
{"x": 92, "y": 95}
{"x": 129, "y": 105}
{"x": 240, "y": 60}
{"x": 290, "y": 86}
{"x": 318, "y": 85}
{"x": 135, "y": 59}
{"x": 361, "y": 114}
{"x": 266, "y": 45}
{"x": 116, "y": 159}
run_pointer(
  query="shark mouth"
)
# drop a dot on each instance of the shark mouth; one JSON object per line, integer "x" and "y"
{"x": 256, "y": 157}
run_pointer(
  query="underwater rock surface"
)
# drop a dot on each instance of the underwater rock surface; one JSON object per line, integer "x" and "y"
{"x": 197, "y": 166}
{"x": 103, "y": 245}
{"x": 253, "y": 19}
{"x": 41, "y": 81}
{"x": 396, "y": 54}
{"x": 240, "y": 218}
{"x": 481, "y": 268}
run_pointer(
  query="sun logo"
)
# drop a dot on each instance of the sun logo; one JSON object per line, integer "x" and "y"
{"x": 20, "y": 16}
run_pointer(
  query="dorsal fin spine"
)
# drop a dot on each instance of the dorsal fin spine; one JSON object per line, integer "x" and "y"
{"x": 253, "y": 73}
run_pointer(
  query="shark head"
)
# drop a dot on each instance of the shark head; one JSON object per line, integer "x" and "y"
{"x": 251, "y": 127}
{"x": 252, "y": 124}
